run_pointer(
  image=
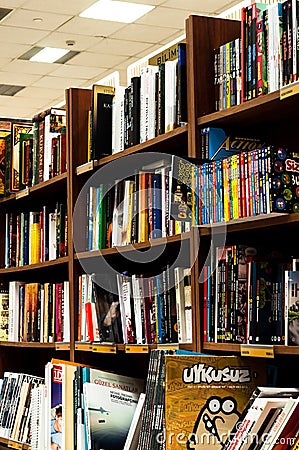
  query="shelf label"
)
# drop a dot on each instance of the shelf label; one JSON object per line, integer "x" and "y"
{"x": 84, "y": 168}
{"x": 17, "y": 445}
{"x": 167, "y": 346}
{"x": 83, "y": 346}
{"x": 135, "y": 348}
{"x": 288, "y": 91}
{"x": 22, "y": 193}
{"x": 62, "y": 346}
{"x": 104, "y": 348}
{"x": 170, "y": 54}
{"x": 255, "y": 350}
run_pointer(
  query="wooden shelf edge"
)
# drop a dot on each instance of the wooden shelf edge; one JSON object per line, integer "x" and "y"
{"x": 38, "y": 345}
{"x": 42, "y": 265}
{"x": 132, "y": 247}
{"x": 236, "y": 348}
{"x": 14, "y": 444}
{"x": 145, "y": 145}
{"x": 239, "y": 109}
{"x": 259, "y": 221}
{"x": 106, "y": 347}
{"x": 38, "y": 187}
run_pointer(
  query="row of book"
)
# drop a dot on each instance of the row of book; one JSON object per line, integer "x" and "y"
{"x": 179, "y": 194}
{"x": 149, "y": 205}
{"x": 144, "y": 309}
{"x": 32, "y": 237}
{"x": 154, "y": 103}
{"x": 32, "y": 151}
{"x": 35, "y": 312}
{"x": 250, "y": 299}
{"x": 268, "y": 51}
{"x": 16, "y": 405}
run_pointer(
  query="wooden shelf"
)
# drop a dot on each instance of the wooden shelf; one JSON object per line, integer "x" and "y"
{"x": 14, "y": 444}
{"x": 236, "y": 348}
{"x": 267, "y": 109}
{"x": 39, "y": 345}
{"x": 38, "y": 266}
{"x": 39, "y": 189}
{"x": 250, "y": 223}
{"x": 133, "y": 247}
{"x": 127, "y": 348}
{"x": 166, "y": 143}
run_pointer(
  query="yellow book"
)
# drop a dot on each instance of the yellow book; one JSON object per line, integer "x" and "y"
{"x": 34, "y": 238}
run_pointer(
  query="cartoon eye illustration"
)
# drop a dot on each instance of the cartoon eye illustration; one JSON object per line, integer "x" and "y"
{"x": 228, "y": 406}
{"x": 214, "y": 406}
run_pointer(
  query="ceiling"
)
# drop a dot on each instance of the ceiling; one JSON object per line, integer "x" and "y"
{"x": 104, "y": 47}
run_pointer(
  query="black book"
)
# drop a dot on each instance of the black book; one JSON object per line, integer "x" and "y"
{"x": 101, "y": 121}
{"x": 181, "y": 114}
{"x": 135, "y": 111}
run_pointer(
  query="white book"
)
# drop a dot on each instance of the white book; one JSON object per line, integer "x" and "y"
{"x": 117, "y": 217}
{"x": 14, "y": 306}
{"x": 37, "y": 418}
{"x": 291, "y": 305}
{"x": 49, "y": 134}
{"x": 138, "y": 305}
{"x": 170, "y": 95}
{"x": 52, "y": 236}
{"x": 84, "y": 279}
{"x": 180, "y": 303}
{"x": 42, "y": 312}
{"x": 124, "y": 292}
{"x": 134, "y": 430}
{"x": 118, "y": 114}
{"x": 152, "y": 102}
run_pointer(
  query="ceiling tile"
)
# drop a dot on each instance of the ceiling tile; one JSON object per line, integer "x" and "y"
{"x": 147, "y": 2}
{"x": 57, "y": 82}
{"x": 18, "y": 78}
{"x": 119, "y": 47}
{"x": 19, "y": 101}
{"x": 64, "y": 7}
{"x": 136, "y": 32}
{"x": 24, "y": 18}
{"x": 12, "y": 3}
{"x": 4, "y": 62}
{"x": 90, "y": 27}
{"x": 57, "y": 39}
{"x": 195, "y": 6}
{"x": 21, "y": 35}
{"x": 91, "y": 60}
{"x": 172, "y": 37}
{"x": 37, "y": 68}
{"x": 13, "y": 50}
{"x": 36, "y": 92}
{"x": 72, "y": 71}
{"x": 165, "y": 17}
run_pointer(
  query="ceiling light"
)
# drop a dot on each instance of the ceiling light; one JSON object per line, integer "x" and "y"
{"x": 49, "y": 54}
{"x": 116, "y": 11}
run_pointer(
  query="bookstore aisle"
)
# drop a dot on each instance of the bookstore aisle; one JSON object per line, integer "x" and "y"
{"x": 149, "y": 260}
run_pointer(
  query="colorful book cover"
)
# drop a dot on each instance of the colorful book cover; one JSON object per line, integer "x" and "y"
{"x": 204, "y": 397}
{"x": 56, "y": 425}
{"x": 292, "y": 307}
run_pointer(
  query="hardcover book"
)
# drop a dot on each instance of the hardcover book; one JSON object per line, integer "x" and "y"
{"x": 102, "y": 99}
{"x": 204, "y": 397}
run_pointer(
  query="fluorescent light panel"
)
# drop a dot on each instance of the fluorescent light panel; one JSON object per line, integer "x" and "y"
{"x": 49, "y": 54}
{"x": 116, "y": 11}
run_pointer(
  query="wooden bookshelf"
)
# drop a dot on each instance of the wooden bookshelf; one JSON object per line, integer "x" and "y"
{"x": 43, "y": 265}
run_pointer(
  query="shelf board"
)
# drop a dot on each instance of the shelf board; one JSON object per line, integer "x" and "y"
{"x": 43, "y": 265}
{"x": 236, "y": 348}
{"x": 268, "y": 109}
{"x": 132, "y": 348}
{"x": 133, "y": 247}
{"x": 248, "y": 223}
{"x": 165, "y": 142}
{"x": 39, "y": 345}
{"x": 14, "y": 444}
{"x": 38, "y": 188}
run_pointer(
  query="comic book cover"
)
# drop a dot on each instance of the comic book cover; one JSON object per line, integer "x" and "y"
{"x": 204, "y": 397}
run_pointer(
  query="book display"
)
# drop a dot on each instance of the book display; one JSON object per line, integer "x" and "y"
{"x": 135, "y": 225}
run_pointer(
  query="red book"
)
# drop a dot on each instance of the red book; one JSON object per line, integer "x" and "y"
{"x": 89, "y": 326}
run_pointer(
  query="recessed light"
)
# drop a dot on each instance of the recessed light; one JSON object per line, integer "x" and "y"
{"x": 116, "y": 11}
{"x": 49, "y": 54}
{"x": 38, "y": 19}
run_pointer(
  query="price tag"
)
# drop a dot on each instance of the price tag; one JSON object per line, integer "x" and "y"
{"x": 289, "y": 90}
{"x": 22, "y": 193}
{"x": 84, "y": 168}
{"x": 103, "y": 348}
{"x": 135, "y": 348}
{"x": 17, "y": 445}
{"x": 261, "y": 351}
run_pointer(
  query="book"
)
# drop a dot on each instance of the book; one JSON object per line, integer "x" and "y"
{"x": 134, "y": 430}
{"x": 4, "y": 312}
{"x": 204, "y": 397}
{"x": 102, "y": 99}
{"x": 291, "y": 315}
